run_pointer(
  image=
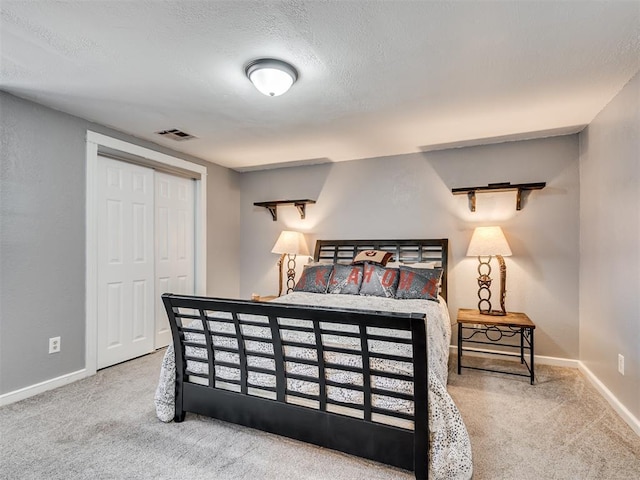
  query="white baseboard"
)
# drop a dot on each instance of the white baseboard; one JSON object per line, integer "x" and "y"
{"x": 539, "y": 359}
{"x": 620, "y": 409}
{"x": 30, "y": 391}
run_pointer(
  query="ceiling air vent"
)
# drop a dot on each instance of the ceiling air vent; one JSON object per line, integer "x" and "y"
{"x": 175, "y": 134}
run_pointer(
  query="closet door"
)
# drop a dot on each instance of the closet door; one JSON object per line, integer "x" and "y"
{"x": 125, "y": 261}
{"x": 174, "y": 258}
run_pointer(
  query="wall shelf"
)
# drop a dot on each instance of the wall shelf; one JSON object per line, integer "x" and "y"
{"x": 272, "y": 206}
{"x": 498, "y": 187}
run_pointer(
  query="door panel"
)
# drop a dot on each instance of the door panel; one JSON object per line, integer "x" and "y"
{"x": 125, "y": 261}
{"x": 175, "y": 223}
{"x": 114, "y": 314}
{"x": 140, "y": 313}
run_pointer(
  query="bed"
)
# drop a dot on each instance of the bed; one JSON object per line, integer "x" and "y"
{"x": 365, "y": 375}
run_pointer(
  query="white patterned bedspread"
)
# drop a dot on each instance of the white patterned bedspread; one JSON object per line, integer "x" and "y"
{"x": 450, "y": 448}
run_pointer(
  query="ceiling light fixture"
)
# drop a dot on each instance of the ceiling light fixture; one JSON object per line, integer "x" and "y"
{"x": 271, "y": 77}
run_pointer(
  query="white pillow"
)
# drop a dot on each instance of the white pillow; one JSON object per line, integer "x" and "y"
{"x": 412, "y": 265}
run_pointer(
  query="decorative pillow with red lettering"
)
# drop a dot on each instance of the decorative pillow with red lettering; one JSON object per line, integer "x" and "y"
{"x": 419, "y": 283}
{"x": 372, "y": 256}
{"x": 378, "y": 281}
{"x": 345, "y": 279}
{"x": 314, "y": 279}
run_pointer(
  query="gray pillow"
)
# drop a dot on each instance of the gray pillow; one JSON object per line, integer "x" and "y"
{"x": 345, "y": 279}
{"x": 378, "y": 281}
{"x": 314, "y": 279}
{"x": 419, "y": 283}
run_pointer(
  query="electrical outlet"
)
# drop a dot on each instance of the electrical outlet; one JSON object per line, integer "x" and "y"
{"x": 54, "y": 344}
{"x": 620, "y": 364}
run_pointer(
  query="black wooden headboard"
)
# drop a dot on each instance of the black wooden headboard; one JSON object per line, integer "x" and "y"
{"x": 405, "y": 251}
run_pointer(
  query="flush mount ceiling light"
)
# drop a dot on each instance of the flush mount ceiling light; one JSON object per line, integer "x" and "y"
{"x": 271, "y": 77}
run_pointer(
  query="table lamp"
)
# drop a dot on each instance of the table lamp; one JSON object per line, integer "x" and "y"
{"x": 291, "y": 244}
{"x": 489, "y": 242}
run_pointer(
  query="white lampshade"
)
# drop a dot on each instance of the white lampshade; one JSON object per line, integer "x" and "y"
{"x": 488, "y": 241}
{"x": 271, "y": 77}
{"x": 292, "y": 243}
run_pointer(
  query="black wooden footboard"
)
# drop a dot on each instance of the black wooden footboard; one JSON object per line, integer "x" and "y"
{"x": 279, "y": 368}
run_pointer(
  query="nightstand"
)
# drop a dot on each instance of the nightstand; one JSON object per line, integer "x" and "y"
{"x": 494, "y": 330}
{"x": 263, "y": 298}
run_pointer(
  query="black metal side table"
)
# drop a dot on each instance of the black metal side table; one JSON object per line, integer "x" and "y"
{"x": 495, "y": 329}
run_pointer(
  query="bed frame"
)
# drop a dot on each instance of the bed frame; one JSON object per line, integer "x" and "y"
{"x": 360, "y": 431}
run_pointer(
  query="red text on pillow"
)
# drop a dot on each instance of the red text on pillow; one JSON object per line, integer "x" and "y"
{"x": 388, "y": 278}
{"x": 405, "y": 281}
{"x": 431, "y": 288}
{"x": 320, "y": 280}
{"x": 354, "y": 276}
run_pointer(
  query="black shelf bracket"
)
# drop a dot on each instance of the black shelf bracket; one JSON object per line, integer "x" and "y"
{"x": 272, "y": 206}
{"x": 521, "y": 188}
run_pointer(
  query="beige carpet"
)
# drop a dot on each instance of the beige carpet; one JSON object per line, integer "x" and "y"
{"x": 104, "y": 427}
{"x": 559, "y": 428}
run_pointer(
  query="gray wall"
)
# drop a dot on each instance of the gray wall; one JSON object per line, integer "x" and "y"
{"x": 409, "y": 196}
{"x": 42, "y": 238}
{"x": 610, "y": 245}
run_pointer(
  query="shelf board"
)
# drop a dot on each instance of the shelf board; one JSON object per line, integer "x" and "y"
{"x": 498, "y": 187}
{"x": 273, "y": 205}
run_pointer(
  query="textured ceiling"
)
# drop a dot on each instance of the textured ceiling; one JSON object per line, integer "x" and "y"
{"x": 376, "y": 77}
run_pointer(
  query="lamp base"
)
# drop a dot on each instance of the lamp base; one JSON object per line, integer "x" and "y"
{"x": 484, "y": 292}
{"x": 495, "y": 313}
{"x": 291, "y": 272}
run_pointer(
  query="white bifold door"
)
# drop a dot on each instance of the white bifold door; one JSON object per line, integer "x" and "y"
{"x": 144, "y": 249}
{"x": 175, "y": 223}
